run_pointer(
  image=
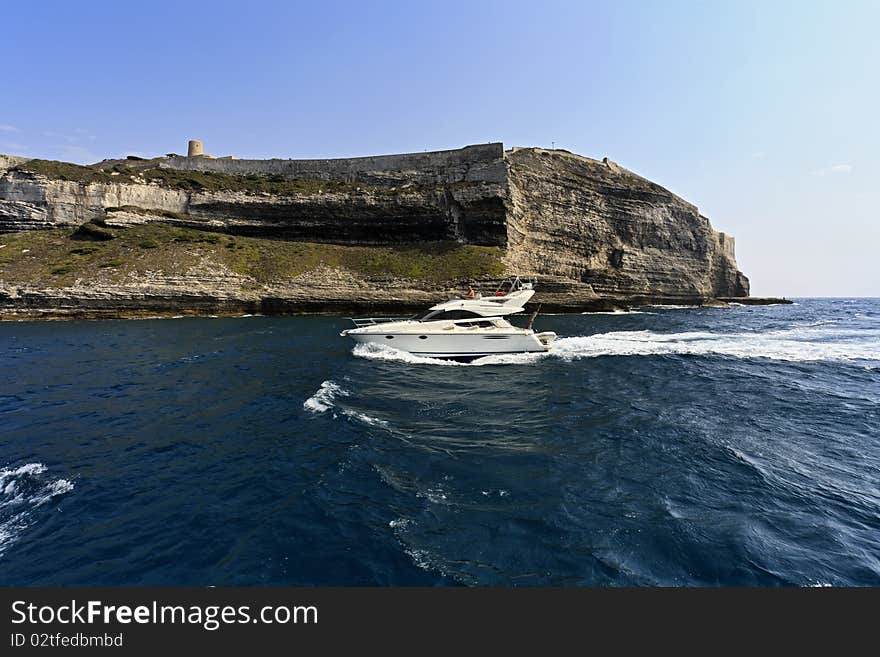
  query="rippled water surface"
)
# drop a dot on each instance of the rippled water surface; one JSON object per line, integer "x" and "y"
{"x": 668, "y": 446}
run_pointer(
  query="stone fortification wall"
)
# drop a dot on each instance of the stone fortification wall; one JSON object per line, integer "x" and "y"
{"x": 479, "y": 163}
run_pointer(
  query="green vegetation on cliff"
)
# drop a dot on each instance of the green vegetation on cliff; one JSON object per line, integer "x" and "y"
{"x": 189, "y": 180}
{"x": 215, "y": 182}
{"x": 210, "y": 181}
{"x": 61, "y": 257}
{"x": 68, "y": 171}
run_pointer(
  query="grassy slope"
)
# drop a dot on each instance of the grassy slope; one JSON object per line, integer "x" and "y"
{"x": 192, "y": 180}
{"x": 206, "y": 180}
{"x": 56, "y": 258}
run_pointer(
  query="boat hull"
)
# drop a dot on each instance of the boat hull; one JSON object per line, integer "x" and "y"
{"x": 455, "y": 346}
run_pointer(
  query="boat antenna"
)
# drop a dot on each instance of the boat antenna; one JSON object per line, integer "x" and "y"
{"x": 532, "y": 316}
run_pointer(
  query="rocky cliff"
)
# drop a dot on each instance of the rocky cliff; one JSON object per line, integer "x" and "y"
{"x": 199, "y": 235}
{"x": 599, "y": 224}
{"x": 39, "y": 194}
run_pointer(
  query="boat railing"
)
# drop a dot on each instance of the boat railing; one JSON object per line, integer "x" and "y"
{"x": 361, "y": 322}
{"x": 514, "y": 284}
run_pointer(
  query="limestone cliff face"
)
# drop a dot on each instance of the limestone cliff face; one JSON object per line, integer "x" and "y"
{"x": 590, "y": 230}
{"x": 470, "y": 212}
{"x": 29, "y": 201}
{"x": 597, "y": 223}
{"x": 215, "y": 290}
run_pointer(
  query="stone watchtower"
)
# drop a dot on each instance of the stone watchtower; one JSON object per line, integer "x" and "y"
{"x": 194, "y": 149}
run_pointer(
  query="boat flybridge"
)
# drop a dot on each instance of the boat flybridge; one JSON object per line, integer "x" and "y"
{"x": 462, "y": 328}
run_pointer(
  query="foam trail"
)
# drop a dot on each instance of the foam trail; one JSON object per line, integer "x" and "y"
{"x": 807, "y": 343}
{"x": 382, "y": 352}
{"x": 26, "y": 470}
{"x": 509, "y": 359}
{"x": 53, "y": 489}
{"x": 788, "y": 345}
{"x": 618, "y": 312}
{"x": 364, "y": 418}
{"x": 673, "y": 306}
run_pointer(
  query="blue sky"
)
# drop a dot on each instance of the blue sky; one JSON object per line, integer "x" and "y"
{"x": 764, "y": 114}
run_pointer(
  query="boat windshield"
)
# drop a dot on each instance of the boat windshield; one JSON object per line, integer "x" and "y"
{"x": 436, "y": 315}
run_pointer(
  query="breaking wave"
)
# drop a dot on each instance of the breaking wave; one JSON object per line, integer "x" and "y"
{"x": 798, "y": 344}
{"x": 22, "y": 491}
{"x": 325, "y": 400}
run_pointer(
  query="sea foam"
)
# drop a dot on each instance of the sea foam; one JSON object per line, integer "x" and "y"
{"x": 788, "y": 345}
{"x": 807, "y": 343}
{"x": 22, "y": 491}
{"x": 326, "y": 399}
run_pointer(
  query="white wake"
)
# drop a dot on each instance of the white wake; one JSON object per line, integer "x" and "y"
{"x": 787, "y": 345}
{"x": 810, "y": 343}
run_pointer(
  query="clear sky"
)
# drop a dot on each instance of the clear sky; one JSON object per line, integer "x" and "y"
{"x": 765, "y": 114}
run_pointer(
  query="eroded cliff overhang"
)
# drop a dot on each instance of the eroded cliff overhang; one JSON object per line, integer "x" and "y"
{"x": 456, "y": 195}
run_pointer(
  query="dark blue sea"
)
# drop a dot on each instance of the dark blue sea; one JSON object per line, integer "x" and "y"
{"x": 668, "y": 446}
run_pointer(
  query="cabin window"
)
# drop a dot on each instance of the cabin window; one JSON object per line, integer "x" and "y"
{"x": 435, "y": 315}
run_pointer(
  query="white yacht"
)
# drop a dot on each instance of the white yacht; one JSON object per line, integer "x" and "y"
{"x": 462, "y": 328}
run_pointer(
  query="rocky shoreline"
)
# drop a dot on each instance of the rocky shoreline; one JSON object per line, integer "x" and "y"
{"x": 33, "y": 305}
